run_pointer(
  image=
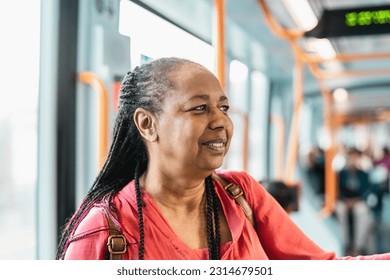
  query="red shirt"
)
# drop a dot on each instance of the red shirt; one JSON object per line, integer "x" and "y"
{"x": 276, "y": 237}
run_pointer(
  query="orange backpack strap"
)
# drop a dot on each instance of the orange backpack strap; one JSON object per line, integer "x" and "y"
{"x": 116, "y": 243}
{"x": 236, "y": 192}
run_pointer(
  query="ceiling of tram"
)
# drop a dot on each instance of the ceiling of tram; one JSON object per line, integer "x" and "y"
{"x": 250, "y": 39}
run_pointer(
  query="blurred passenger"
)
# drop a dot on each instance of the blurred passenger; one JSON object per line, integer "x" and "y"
{"x": 364, "y": 161}
{"x": 379, "y": 178}
{"x": 385, "y": 160}
{"x": 339, "y": 161}
{"x": 352, "y": 211}
{"x": 316, "y": 170}
{"x": 286, "y": 196}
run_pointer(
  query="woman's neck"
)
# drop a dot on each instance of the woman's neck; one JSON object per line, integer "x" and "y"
{"x": 174, "y": 191}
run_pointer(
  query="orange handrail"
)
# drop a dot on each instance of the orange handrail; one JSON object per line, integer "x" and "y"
{"x": 291, "y": 36}
{"x": 97, "y": 84}
{"x": 292, "y": 150}
{"x": 275, "y": 27}
{"x": 220, "y": 41}
{"x": 323, "y": 74}
{"x": 330, "y": 152}
{"x": 330, "y": 120}
{"x": 380, "y": 116}
{"x": 310, "y": 58}
{"x": 301, "y": 59}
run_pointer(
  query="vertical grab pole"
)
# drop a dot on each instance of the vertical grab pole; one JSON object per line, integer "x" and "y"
{"x": 292, "y": 149}
{"x": 331, "y": 184}
{"x": 220, "y": 41}
{"x": 98, "y": 86}
{"x": 291, "y": 36}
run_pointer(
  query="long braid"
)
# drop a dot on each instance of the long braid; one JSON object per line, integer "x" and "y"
{"x": 212, "y": 207}
{"x": 144, "y": 87}
{"x": 216, "y": 208}
{"x": 103, "y": 188}
{"x": 217, "y": 226}
{"x": 140, "y": 204}
{"x": 210, "y": 226}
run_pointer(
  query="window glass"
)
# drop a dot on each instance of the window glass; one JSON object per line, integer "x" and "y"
{"x": 238, "y": 99}
{"x": 19, "y": 67}
{"x": 258, "y": 121}
{"x": 146, "y": 42}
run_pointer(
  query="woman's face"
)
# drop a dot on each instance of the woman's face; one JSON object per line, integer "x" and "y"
{"x": 194, "y": 129}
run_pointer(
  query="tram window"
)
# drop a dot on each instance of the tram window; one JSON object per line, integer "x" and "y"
{"x": 238, "y": 98}
{"x": 19, "y": 66}
{"x": 257, "y": 124}
{"x": 238, "y": 90}
{"x": 146, "y": 41}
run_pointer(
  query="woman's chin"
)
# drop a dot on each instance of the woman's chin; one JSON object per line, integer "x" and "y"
{"x": 214, "y": 165}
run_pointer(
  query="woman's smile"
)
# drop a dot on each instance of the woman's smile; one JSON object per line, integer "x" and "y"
{"x": 218, "y": 145}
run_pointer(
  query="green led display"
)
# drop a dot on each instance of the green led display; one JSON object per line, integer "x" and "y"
{"x": 352, "y": 21}
{"x": 367, "y": 18}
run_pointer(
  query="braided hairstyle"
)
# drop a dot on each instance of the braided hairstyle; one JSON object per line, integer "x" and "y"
{"x": 144, "y": 87}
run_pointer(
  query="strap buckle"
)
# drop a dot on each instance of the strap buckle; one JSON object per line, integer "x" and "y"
{"x": 233, "y": 190}
{"x": 117, "y": 244}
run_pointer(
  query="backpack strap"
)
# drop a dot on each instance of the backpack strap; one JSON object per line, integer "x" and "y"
{"x": 236, "y": 192}
{"x": 116, "y": 243}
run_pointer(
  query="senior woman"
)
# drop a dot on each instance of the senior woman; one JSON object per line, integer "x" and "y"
{"x": 158, "y": 183}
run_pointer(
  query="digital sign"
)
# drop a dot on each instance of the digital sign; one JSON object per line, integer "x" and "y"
{"x": 352, "y": 22}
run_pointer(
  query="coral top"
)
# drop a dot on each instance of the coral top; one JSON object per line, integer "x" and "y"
{"x": 276, "y": 237}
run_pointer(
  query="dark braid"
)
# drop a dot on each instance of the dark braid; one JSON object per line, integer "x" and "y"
{"x": 216, "y": 208}
{"x": 144, "y": 87}
{"x": 213, "y": 225}
{"x": 209, "y": 219}
{"x": 140, "y": 204}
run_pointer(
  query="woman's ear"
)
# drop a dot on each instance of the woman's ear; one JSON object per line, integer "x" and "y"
{"x": 146, "y": 124}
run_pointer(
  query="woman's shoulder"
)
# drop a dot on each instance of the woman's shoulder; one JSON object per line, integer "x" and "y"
{"x": 244, "y": 180}
{"x": 89, "y": 239}
{"x": 126, "y": 196}
{"x": 241, "y": 178}
{"x": 96, "y": 218}
{"x": 234, "y": 174}
{"x": 94, "y": 221}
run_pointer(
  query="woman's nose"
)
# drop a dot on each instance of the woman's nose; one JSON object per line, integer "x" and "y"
{"x": 218, "y": 119}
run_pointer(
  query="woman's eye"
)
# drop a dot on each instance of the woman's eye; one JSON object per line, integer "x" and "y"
{"x": 224, "y": 108}
{"x": 200, "y": 108}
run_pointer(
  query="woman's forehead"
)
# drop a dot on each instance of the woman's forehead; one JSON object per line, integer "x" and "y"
{"x": 190, "y": 75}
{"x": 194, "y": 84}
